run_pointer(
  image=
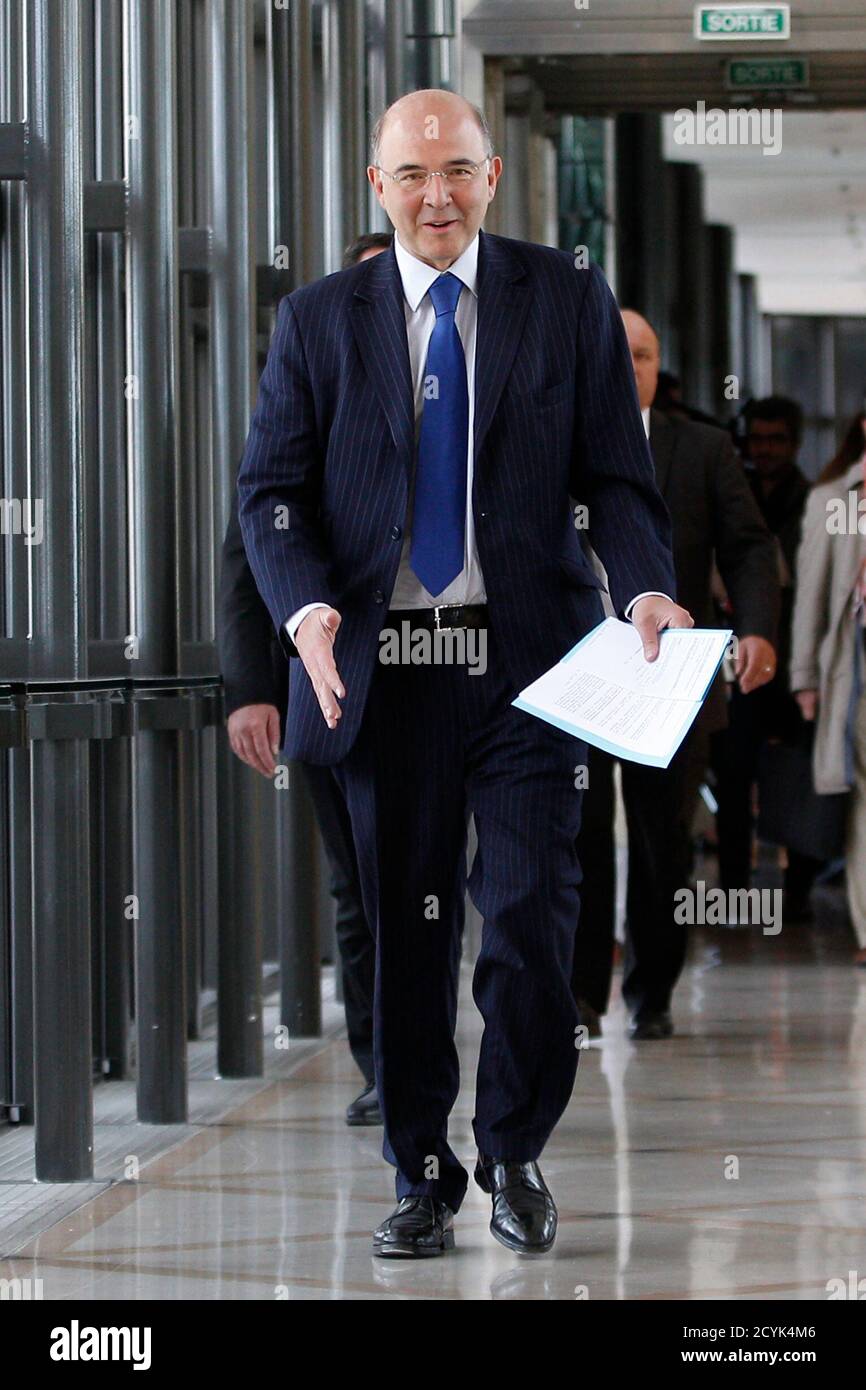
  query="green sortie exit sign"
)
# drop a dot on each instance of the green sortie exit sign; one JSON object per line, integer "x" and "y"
{"x": 742, "y": 22}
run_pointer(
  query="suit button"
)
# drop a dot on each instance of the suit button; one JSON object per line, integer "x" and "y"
{"x": 378, "y": 596}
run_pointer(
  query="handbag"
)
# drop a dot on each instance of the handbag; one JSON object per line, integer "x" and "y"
{"x": 790, "y": 811}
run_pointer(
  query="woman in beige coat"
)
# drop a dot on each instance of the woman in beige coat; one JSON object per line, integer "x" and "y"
{"x": 828, "y": 650}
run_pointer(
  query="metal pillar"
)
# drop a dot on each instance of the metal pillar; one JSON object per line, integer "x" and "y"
{"x": 752, "y": 380}
{"x": 60, "y": 900}
{"x": 160, "y": 984}
{"x": 723, "y": 360}
{"x": 692, "y": 286}
{"x": 152, "y": 278}
{"x": 640, "y": 217}
{"x": 376, "y": 100}
{"x": 351, "y": 85}
{"x": 334, "y": 133}
{"x": 111, "y": 889}
{"x": 16, "y": 1002}
{"x": 243, "y": 890}
{"x": 107, "y": 550}
{"x": 22, "y": 938}
{"x": 301, "y": 1004}
{"x": 431, "y": 44}
{"x": 395, "y": 50}
{"x": 243, "y": 823}
{"x": 292, "y": 77}
{"x": 61, "y": 966}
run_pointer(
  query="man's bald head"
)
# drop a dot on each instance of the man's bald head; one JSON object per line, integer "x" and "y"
{"x": 643, "y": 342}
{"x": 429, "y": 102}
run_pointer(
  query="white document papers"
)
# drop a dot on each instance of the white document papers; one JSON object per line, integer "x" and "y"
{"x": 606, "y": 692}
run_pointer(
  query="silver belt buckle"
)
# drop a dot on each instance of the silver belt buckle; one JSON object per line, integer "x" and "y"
{"x": 449, "y": 627}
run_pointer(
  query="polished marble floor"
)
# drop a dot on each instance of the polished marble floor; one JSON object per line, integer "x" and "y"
{"x": 726, "y": 1162}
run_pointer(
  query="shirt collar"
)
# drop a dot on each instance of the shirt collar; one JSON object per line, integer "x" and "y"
{"x": 645, "y": 416}
{"x": 418, "y": 276}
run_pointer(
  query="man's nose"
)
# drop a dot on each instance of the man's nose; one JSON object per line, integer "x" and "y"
{"x": 437, "y": 193}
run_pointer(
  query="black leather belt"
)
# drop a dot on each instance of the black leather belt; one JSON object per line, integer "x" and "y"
{"x": 442, "y": 618}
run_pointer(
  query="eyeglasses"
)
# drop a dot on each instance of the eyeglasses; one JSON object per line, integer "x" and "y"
{"x": 414, "y": 180}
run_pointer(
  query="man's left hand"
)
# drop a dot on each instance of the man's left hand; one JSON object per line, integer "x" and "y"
{"x": 651, "y": 615}
{"x": 755, "y": 664}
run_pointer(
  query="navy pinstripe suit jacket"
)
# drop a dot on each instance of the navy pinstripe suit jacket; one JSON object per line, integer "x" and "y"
{"x": 323, "y": 484}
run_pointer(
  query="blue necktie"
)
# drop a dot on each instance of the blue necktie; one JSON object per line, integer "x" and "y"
{"x": 439, "y": 513}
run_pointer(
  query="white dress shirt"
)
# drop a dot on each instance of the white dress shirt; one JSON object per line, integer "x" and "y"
{"x": 650, "y": 593}
{"x": 417, "y": 277}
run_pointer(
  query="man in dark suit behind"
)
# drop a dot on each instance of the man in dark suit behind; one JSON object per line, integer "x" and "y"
{"x": 255, "y": 673}
{"x": 422, "y": 421}
{"x": 714, "y": 518}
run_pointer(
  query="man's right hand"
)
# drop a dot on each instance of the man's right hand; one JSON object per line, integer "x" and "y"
{"x": 808, "y": 702}
{"x": 314, "y": 640}
{"x": 254, "y": 735}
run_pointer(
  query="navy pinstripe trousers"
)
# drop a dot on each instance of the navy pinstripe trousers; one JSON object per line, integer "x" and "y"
{"x": 435, "y": 744}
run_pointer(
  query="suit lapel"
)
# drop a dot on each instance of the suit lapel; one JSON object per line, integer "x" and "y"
{"x": 379, "y": 324}
{"x": 503, "y": 303}
{"x": 661, "y": 438}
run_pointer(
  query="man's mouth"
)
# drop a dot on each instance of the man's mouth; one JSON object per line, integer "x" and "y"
{"x": 442, "y": 226}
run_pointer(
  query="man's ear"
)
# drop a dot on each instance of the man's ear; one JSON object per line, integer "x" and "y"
{"x": 375, "y": 182}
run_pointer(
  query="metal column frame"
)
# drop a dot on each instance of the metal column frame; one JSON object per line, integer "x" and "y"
{"x": 640, "y": 217}
{"x": 152, "y": 345}
{"x": 112, "y": 765}
{"x": 301, "y": 996}
{"x": 56, "y": 318}
{"x": 60, "y": 793}
{"x": 107, "y": 500}
{"x": 244, "y": 894}
{"x": 16, "y": 946}
{"x": 16, "y": 986}
{"x": 375, "y": 52}
{"x": 334, "y": 134}
{"x": 351, "y": 65}
{"x": 344, "y": 181}
{"x": 152, "y": 330}
{"x": 692, "y": 289}
{"x": 232, "y": 279}
{"x": 17, "y": 558}
{"x": 245, "y": 829}
{"x": 753, "y": 382}
{"x": 95, "y": 158}
{"x": 166, "y": 712}
{"x": 395, "y": 50}
{"x": 63, "y": 1085}
{"x": 720, "y": 308}
{"x": 292, "y": 77}
{"x": 432, "y": 57}
{"x": 160, "y": 983}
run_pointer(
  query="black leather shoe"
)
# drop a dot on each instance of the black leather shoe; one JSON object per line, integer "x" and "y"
{"x": 649, "y": 1027}
{"x": 417, "y": 1228}
{"x": 364, "y": 1110}
{"x": 524, "y": 1213}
